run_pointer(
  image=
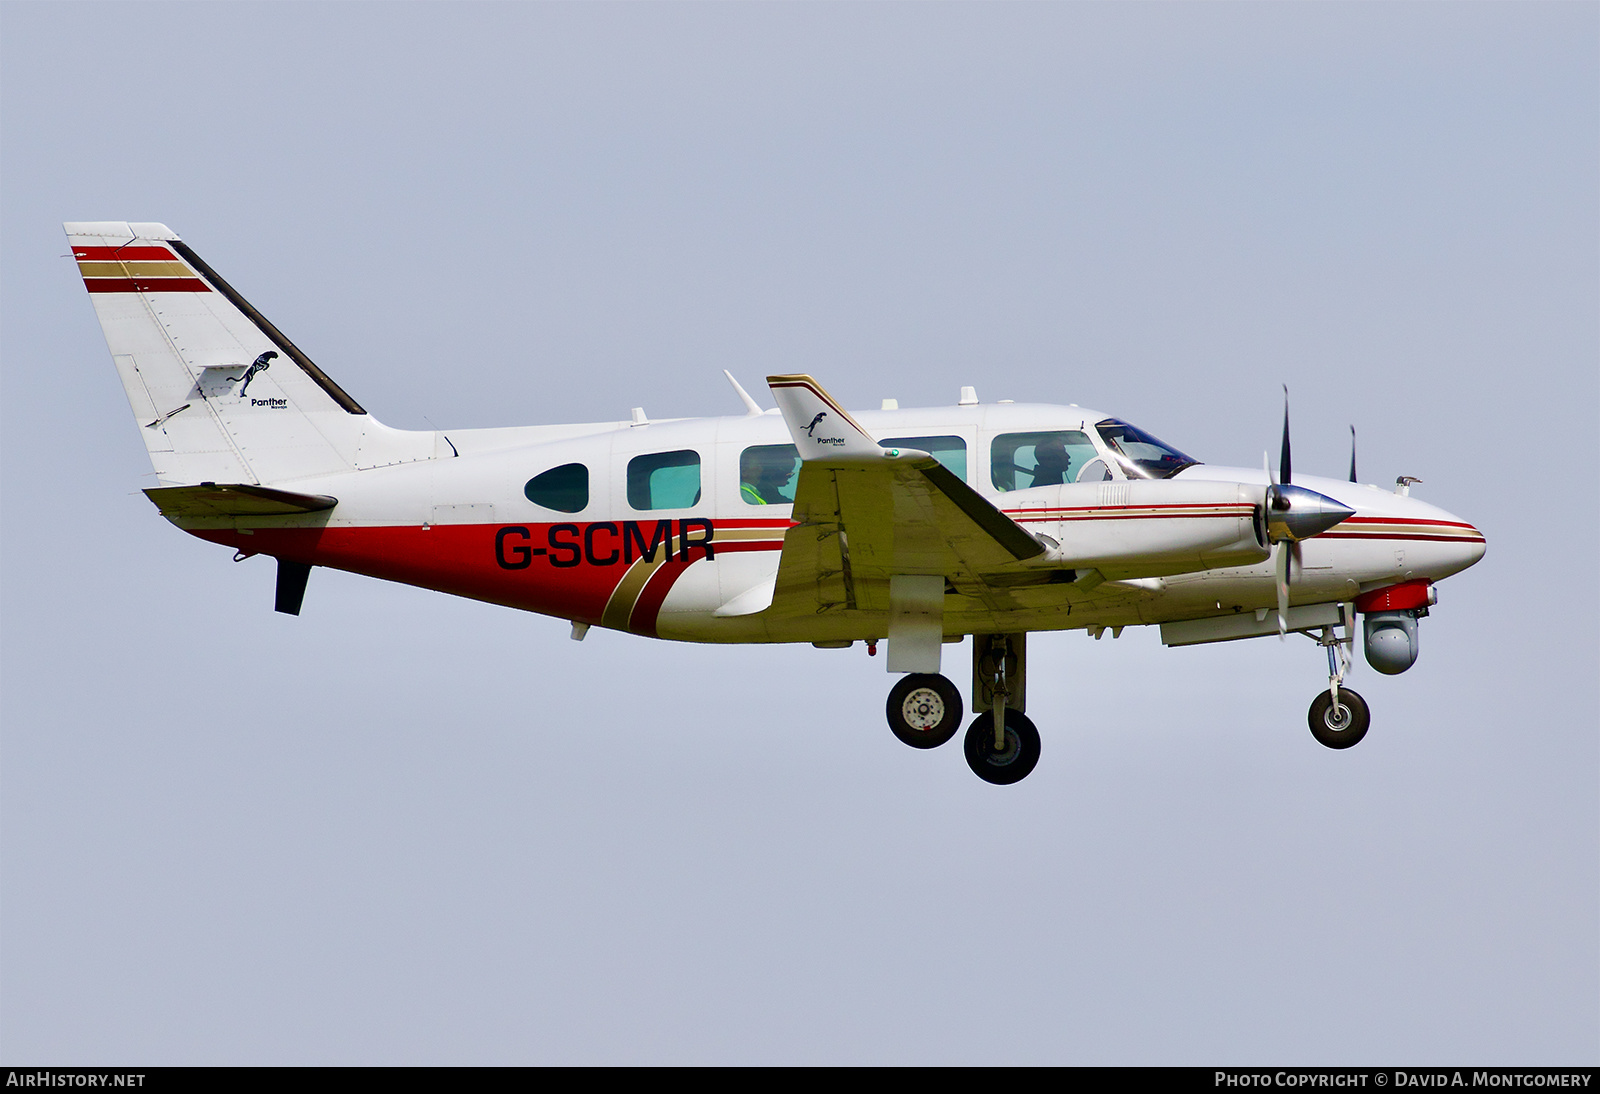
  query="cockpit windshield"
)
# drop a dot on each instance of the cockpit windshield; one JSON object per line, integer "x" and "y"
{"x": 1141, "y": 454}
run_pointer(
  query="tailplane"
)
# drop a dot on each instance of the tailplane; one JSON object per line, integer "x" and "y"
{"x": 219, "y": 394}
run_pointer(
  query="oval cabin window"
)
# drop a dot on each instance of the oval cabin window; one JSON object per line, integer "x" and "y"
{"x": 564, "y": 489}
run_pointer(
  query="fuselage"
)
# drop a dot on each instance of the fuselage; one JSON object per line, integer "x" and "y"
{"x": 672, "y": 531}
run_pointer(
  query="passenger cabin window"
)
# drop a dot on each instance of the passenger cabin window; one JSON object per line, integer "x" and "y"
{"x": 564, "y": 489}
{"x": 664, "y": 480}
{"x": 1018, "y": 461}
{"x": 767, "y": 474}
{"x": 950, "y": 451}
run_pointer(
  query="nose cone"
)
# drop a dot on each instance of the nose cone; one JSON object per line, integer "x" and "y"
{"x": 1466, "y": 545}
{"x": 1440, "y": 543}
{"x": 1293, "y": 512}
{"x": 1427, "y": 541}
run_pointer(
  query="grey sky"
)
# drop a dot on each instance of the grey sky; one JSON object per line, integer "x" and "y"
{"x": 403, "y": 828}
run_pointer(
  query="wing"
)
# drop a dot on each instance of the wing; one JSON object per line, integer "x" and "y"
{"x": 865, "y": 513}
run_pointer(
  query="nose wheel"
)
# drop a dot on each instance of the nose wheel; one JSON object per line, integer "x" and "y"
{"x": 1338, "y": 717}
{"x": 1341, "y": 722}
{"x": 924, "y": 710}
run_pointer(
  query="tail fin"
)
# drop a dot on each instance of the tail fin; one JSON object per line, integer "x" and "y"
{"x": 219, "y": 393}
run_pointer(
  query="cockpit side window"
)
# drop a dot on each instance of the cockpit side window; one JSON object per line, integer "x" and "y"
{"x": 950, "y": 451}
{"x": 564, "y": 489}
{"x": 767, "y": 474}
{"x": 1018, "y": 461}
{"x": 1139, "y": 453}
{"x": 664, "y": 480}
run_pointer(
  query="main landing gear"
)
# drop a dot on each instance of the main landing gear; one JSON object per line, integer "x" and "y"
{"x": 1002, "y": 744}
{"x": 924, "y": 710}
{"x": 1338, "y": 717}
{"x": 1005, "y": 757}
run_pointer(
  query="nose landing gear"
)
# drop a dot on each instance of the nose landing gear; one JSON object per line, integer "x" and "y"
{"x": 1338, "y": 717}
{"x": 1341, "y": 722}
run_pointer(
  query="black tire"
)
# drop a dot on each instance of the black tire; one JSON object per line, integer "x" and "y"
{"x": 1341, "y": 726}
{"x": 1016, "y": 761}
{"x": 924, "y": 710}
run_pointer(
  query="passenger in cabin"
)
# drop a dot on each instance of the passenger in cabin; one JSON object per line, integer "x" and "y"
{"x": 1050, "y": 462}
{"x": 764, "y": 474}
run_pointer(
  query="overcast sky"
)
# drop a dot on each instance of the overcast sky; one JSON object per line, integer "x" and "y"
{"x": 403, "y": 828}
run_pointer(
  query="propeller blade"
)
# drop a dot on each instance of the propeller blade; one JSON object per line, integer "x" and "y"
{"x": 1352, "y": 453}
{"x": 1285, "y": 476}
{"x": 1283, "y": 589}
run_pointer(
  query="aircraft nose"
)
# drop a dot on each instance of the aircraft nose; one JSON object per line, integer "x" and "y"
{"x": 1471, "y": 544}
{"x": 1454, "y": 543}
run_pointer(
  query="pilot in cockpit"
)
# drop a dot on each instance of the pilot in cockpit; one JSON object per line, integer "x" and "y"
{"x": 1050, "y": 462}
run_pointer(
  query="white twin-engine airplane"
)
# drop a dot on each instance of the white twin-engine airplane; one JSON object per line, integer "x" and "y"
{"x": 802, "y": 524}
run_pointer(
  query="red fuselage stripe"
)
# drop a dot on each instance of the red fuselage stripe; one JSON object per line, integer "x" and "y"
{"x": 1127, "y": 516}
{"x": 553, "y": 569}
{"x": 1401, "y": 535}
{"x": 1234, "y": 509}
{"x": 1409, "y": 520}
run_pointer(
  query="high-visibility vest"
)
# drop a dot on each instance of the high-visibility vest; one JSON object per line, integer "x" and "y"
{"x": 749, "y": 493}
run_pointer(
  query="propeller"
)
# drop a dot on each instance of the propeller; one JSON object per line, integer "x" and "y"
{"x": 1280, "y": 501}
{"x": 1295, "y": 514}
{"x": 1352, "y": 453}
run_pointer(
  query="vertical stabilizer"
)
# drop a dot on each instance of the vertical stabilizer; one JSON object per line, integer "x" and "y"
{"x": 218, "y": 392}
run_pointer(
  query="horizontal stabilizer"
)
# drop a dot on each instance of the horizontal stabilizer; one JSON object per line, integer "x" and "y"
{"x": 235, "y": 500}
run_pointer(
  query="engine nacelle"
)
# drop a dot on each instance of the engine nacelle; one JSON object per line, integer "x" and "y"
{"x": 1186, "y": 526}
{"x": 1391, "y": 641}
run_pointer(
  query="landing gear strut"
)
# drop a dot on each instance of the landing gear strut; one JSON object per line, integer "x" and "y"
{"x": 1338, "y": 717}
{"x": 1002, "y": 744}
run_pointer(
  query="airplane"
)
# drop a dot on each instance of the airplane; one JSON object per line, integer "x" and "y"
{"x": 804, "y": 522}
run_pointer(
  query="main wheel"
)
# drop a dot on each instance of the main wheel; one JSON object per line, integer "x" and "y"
{"x": 1339, "y": 726}
{"x": 1010, "y": 764}
{"x": 924, "y": 710}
